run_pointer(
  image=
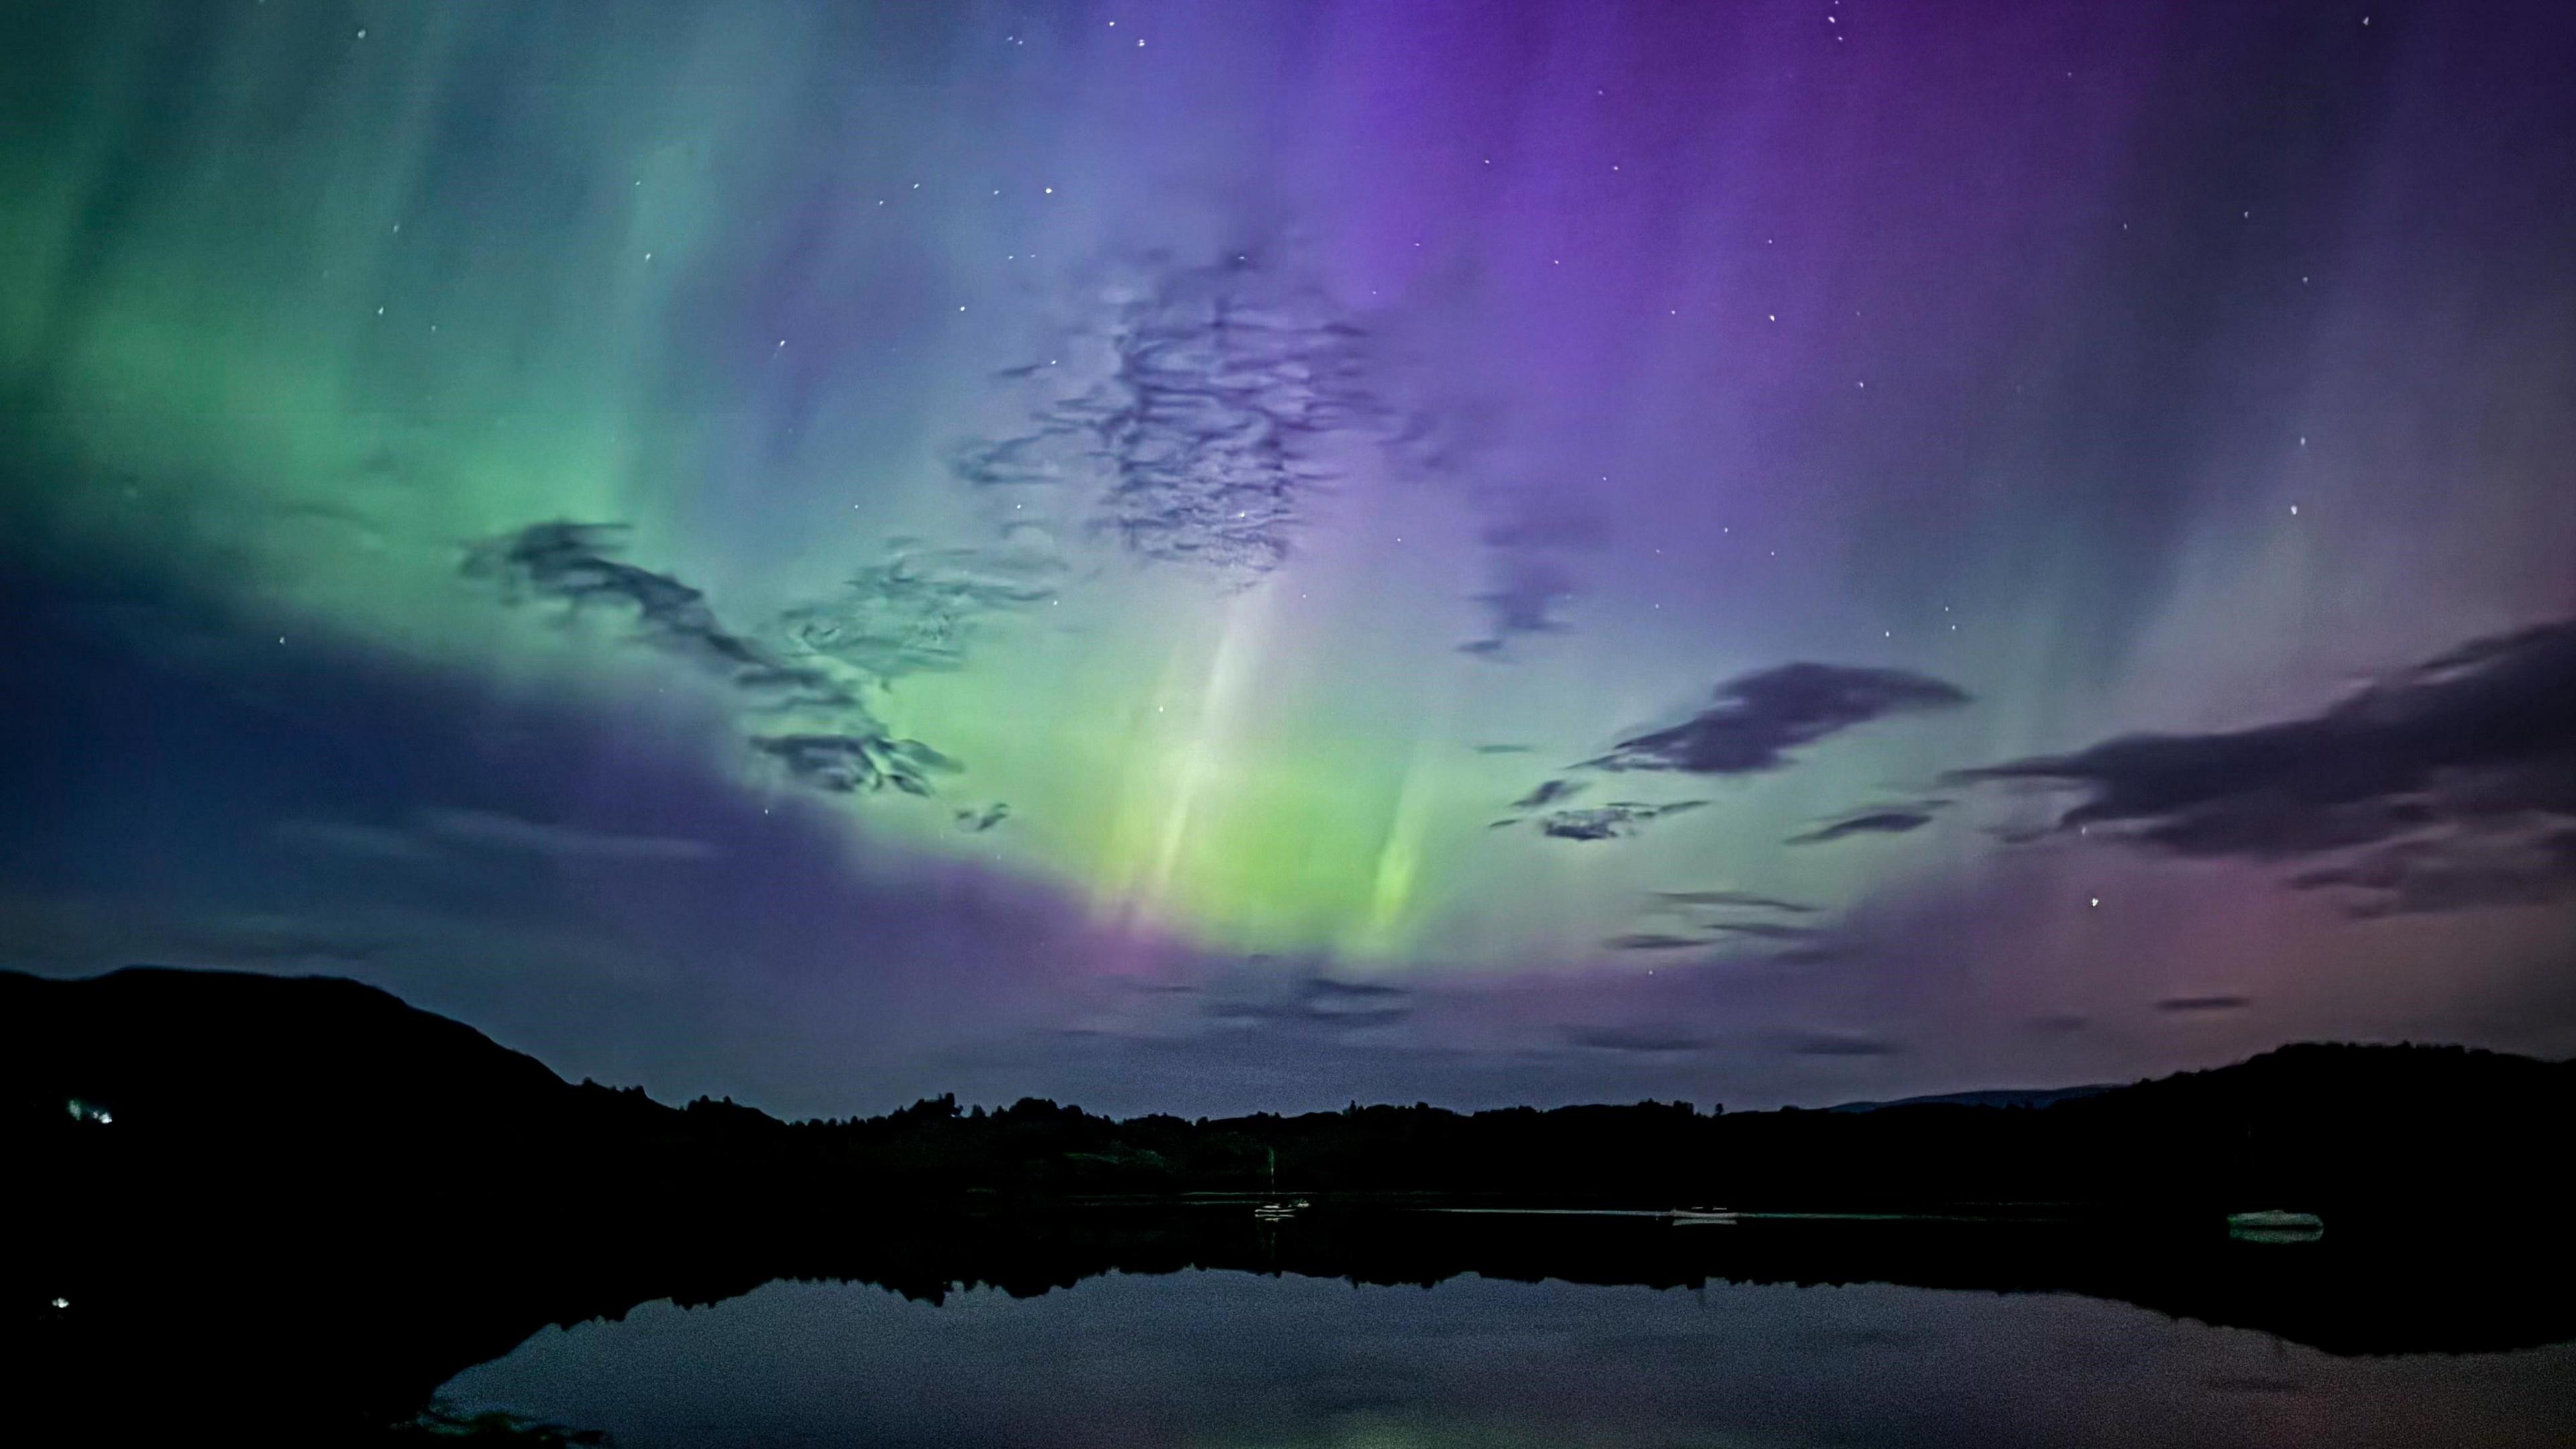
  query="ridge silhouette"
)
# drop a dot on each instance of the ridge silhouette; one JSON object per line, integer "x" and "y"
{"x": 309, "y": 1171}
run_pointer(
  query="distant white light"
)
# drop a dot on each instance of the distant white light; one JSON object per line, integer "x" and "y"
{"x": 65, "y": 1302}
{"x": 2095, "y": 902}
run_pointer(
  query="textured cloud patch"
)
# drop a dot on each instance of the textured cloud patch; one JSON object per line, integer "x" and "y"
{"x": 577, "y": 564}
{"x": 1203, "y": 409}
{"x": 919, "y": 610}
{"x": 2450, "y": 785}
{"x": 1760, "y": 717}
{"x": 856, "y": 764}
{"x": 912, "y": 613}
{"x": 1616, "y": 820}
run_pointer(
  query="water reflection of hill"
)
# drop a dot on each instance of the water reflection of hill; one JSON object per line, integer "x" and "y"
{"x": 360, "y": 1328}
{"x": 304, "y": 1191}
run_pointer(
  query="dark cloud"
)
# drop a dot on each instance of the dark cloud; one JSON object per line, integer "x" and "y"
{"x": 854, "y": 764}
{"x": 985, "y": 819}
{"x": 2450, "y": 785}
{"x": 577, "y": 565}
{"x": 1548, "y": 793}
{"x": 912, "y": 613}
{"x": 1742, "y": 900}
{"x": 1230, "y": 396}
{"x": 1889, "y": 820}
{"x": 1616, "y": 820}
{"x": 1502, "y": 749}
{"x": 1327, "y": 988}
{"x": 1631, "y": 1039}
{"x": 1759, "y": 717}
{"x": 1656, "y": 941}
{"x": 2185, "y": 1004}
{"x": 1313, "y": 1001}
{"x": 1835, "y": 1044}
{"x": 2466, "y": 872}
{"x": 1764, "y": 930}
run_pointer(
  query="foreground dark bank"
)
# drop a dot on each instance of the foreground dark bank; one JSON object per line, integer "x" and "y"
{"x": 234, "y": 1181}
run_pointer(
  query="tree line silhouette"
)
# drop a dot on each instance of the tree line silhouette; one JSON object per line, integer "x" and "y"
{"x": 258, "y": 1166}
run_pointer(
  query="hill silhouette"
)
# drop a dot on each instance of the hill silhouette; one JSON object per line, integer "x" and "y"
{"x": 309, "y": 1172}
{"x": 278, "y": 1076}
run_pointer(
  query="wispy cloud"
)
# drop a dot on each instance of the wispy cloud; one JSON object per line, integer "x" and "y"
{"x": 2450, "y": 785}
{"x": 1549, "y": 792}
{"x": 577, "y": 564}
{"x": 1835, "y": 1044}
{"x": 1884, "y": 820}
{"x": 979, "y": 821}
{"x": 1729, "y": 900}
{"x": 1646, "y": 1041}
{"x": 1530, "y": 553}
{"x": 430, "y": 833}
{"x": 2188, "y": 1005}
{"x": 1760, "y": 717}
{"x": 911, "y": 613}
{"x": 1310, "y": 1001}
{"x": 495, "y": 831}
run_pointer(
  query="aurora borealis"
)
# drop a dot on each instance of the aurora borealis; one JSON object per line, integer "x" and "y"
{"x": 1225, "y": 555}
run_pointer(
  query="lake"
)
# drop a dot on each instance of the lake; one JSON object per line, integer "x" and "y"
{"x": 1232, "y": 1357}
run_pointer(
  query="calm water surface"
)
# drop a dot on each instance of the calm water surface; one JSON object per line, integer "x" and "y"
{"x": 1236, "y": 1358}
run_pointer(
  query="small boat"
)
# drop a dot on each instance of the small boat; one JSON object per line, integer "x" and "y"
{"x": 2275, "y": 1226}
{"x": 1702, "y": 1215}
{"x": 1277, "y": 1210}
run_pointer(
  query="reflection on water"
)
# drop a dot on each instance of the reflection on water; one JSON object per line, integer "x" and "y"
{"x": 1226, "y": 1357}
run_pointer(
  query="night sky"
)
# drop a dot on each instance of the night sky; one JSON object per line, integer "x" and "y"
{"x": 1207, "y": 556}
